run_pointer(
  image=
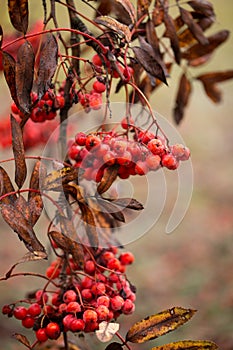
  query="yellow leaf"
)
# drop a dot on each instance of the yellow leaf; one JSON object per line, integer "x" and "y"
{"x": 188, "y": 344}
{"x": 156, "y": 325}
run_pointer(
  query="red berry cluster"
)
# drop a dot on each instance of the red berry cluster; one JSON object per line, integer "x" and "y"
{"x": 146, "y": 152}
{"x": 45, "y": 109}
{"x": 98, "y": 292}
{"x": 93, "y": 99}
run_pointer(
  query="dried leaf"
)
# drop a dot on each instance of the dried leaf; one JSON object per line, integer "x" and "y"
{"x": 9, "y": 65}
{"x": 57, "y": 178}
{"x": 35, "y": 207}
{"x": 90, "y": 225}
{"x": 38, "y": 175}
{"x": 18, "y": 151}
{"x": 150, "y": 64}
{"x": 1, "y": 36}
{"x": 47, "y": 64}
{"x": 128, "y": 6}
{"x": 111, "y": 209}
{"x": 194, "y": 28}
{"x": 158, "y": 324}
{"x": 182, "y": 98}
{"x": 22, "y": 206}
{"x": 106, "y": 331}
{"x": 129, "y": 203}
{"x": 171, "y": 34}
{"x": 18, "y": 11}
{"x": 153, "y": 39}
{"x": 104, "y": 8}
{"x": 210, "y": 80}
{"x": 158, "y": 13}
{"x": 6, "y": 187}
{"x": 188, "y": 344}
{"x": 199, "y": 50}
{"x": 114, "y": 346}
{"x": 113, "y": 24}
{"x": 143, "y": 7}
{"x": 110, "y": 175}
{"x": 24, "y": 75}
{"x": 203, "y": 6}
{"x": 21, "y": 226}
{"x": 22, "y": 339}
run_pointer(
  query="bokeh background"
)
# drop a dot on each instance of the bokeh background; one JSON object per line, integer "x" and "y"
{"x": 192, "y": 267}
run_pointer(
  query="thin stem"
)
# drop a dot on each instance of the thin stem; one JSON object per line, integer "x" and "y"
{"x": 123, "y": 340}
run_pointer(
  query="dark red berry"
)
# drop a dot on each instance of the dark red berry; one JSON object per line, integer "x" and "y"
{"x": 41, "y": 335}
{"x": 20, "y": 312}
{"x": 53, "y": 330}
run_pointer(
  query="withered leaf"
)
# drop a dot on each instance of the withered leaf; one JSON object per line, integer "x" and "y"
{"x": 104, "y": 8}
{"x": 111, "y": 23}
{"x": 172, "y": 35}
{"x": 129, "y": 203}
{"x": 158, "y": 324}
{"x": 150, "y": 64}
{"x": 182, "y": 98}
{"x": 24, "y": 75}
{"x": 158, "y": 13}
{"x": 203, "y": 6}
{"x": 143, "y": 7}
{"x": 1, "y": 36}
{"x": 199, "y": 50}
{"x": 194, "y": 28}
{"x": 22, "y": 339}
{"x": 9, "y": 65}
{"x": 90, "y": 225}
{"x": 114, "y": 346}
{"x": 128, "y": 6}
{"x": 47, "y": 67}
{"x": 110, "y": 175}
{"x": 36, "y": 206}
{"x": 210, "y": 80}
{"x": 19, "y": 154}
{"x": 22, "y": 206}
{"x": 153, "y": 39}
{"x": 188, "y": 344}
{"x": 6, "y": 187}
{"x": 22, "y": 227}
{"x": 112, "y": 209}
{"x": 38, "y": 175}
{"x": 57, "y": 178}
{"x": 18, "y": 12}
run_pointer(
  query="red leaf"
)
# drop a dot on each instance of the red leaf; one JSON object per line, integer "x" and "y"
{"x": 24, "y": 75}
{"x": 182, "y": 98}
{"x": 18, "y": 11}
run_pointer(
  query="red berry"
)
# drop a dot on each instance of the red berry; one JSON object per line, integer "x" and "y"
{"x": 89, "y": 267}
{"x": 97, "y": 60}
{"x": 128, "y": 72}
{"x": 14, "y": 108}
{"x": 28, "y": 322}
{"x": 156, "y": 147}
{"x": 170, "y": 162}
{"x": 126, "y": 258}
{"x": 41, "y": 335}
{"x": 86, "y": 294}
{"x": 6, "y": 310}
{"x": 120, "y": 146}
{"x": 69, "y": 295}
{"x": 41, "y": 297}
{"x": 34, "y": 309}
{"x": 86, "y": 282}
{"x": 90, "y": 316}
{"x": 20, "y": 312}
{"x": 107, "y": 256}
{"x": 127, "y": 123}
{"x": 117, "y": 303}
{"x": 99, "y": 87}
{"x": 124, "y": 159}
{"x": 73, "y": 307}
{"x": 153, "y": 162}
{"x": 98, "y": 288}
{"x": 61, "y": 101}
{"x": 128, "y": 307}
{"x": 113, "y": 264}
{"x": 103, "y": 300}
{"x": 141, "y": 168}
{"x": 145, "y": 136}
{"x": 77, "y": 325}
{"x": 52, "y": 272}
{"x": 92, "y": 141}
{"x": 102, "y": 312}
{"x": 67, "y": 320}
{"x": 53, "y": 330}
{"x": 80, "y": 138}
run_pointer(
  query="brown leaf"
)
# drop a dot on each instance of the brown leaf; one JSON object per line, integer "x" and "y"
{"x": 47, "y": 67}
{"x": 210, "y": 80}
{"x": 150, "y": 63}
{"x": 35, "y": 207}
{"x": 153, "y": 39}
{"x": 22, "y": 206}
{"x": 194, "y": 28}
{"x": 21, "y": 226}
{"x": 57, "y": 178}
{"x": 9, "y": 65}
{"x": 171, "y": 34}
{"x": 203, "y": 6}
{"x": 143, "y": 7}
{"x": 104, "y": 8}
{"x": 182, "y": 98}
{"x": 114, "y": 346}
{"x": 24, "y": 75}
{"x": 22, "y": 339}
{"x": 111, "y": 209}
{"x": 115, "y": 25}
{"x": 158, "y": 13}
{"x": 110, "y": 175}
{"x": 90, "y": 225}
{"x": 158, "y": 324}
{"x": 188, "y": 344}
{"x": 199, "y": 50}
{"x": 1, "y": 36}
{"x": 128, "y": 6}
{"x": 129, "y": 203}
{"x": 18, "y": 11}
{"x": 6, "y": 187}
{"x": 18, "y": 151}
{"x": 38, "y": 175}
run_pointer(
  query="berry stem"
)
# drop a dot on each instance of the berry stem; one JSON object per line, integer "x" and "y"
{"x": 123, "y": 340}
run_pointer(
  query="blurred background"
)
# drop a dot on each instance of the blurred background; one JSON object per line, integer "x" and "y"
{"x": 192, "y": 267}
